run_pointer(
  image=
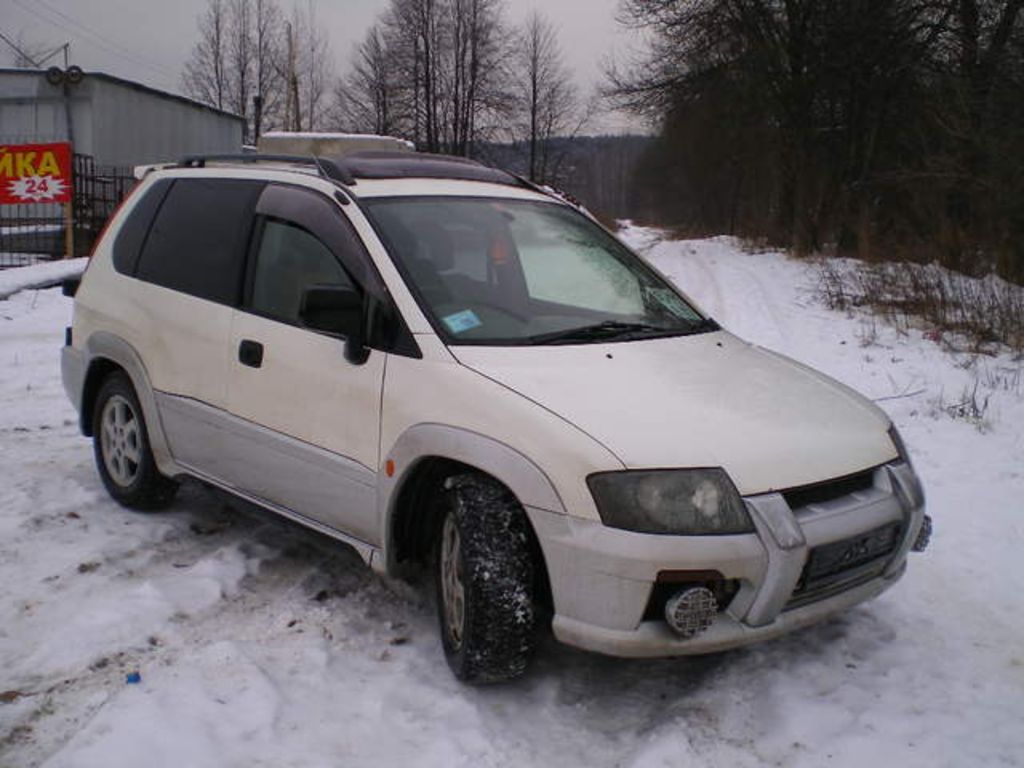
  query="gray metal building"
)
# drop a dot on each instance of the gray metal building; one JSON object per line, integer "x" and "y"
{"x": 113, "y": 125}
{"x": 117, "y": 122}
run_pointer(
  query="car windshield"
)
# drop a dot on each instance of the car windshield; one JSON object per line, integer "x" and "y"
{"x": 498, "y": 271}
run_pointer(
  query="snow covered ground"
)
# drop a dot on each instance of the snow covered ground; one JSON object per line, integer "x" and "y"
{"x": 261, "y": 644}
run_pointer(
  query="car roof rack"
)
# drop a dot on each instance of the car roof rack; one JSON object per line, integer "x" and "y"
{"x": 326, "y": 167}
{"x": 378, "y": 165}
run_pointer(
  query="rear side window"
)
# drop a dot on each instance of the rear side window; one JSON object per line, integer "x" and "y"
{"x": 198, "y": 239}
{"x": 132, "y": 234}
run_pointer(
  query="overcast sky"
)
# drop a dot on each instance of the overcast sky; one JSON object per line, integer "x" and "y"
{"x": 150, "y": 41}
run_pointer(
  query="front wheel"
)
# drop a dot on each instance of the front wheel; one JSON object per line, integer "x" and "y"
{"x": 484, "y": 571}
{"x": 121, "y": 445}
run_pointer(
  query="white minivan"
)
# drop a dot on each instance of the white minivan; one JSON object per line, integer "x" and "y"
{"x": 441, "y": 364}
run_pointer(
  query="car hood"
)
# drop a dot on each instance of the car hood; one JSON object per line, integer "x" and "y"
{"x": 707, "y": 400}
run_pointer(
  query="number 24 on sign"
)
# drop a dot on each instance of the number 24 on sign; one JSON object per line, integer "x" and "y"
{"x": 35, "y": 173}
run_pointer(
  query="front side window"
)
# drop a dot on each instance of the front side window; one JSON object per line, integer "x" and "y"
{"x": 289, "y": 260}
{"x": 496, "y": 271}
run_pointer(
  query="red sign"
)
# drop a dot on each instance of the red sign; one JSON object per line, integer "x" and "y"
{"x": 35, "y": 173}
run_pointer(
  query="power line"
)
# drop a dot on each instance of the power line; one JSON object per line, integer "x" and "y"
{"x": 76, "y": 27}
{"x": 18, "y": 50}
{"x": 92, "y": 31}
{"x": 62, "y": 47}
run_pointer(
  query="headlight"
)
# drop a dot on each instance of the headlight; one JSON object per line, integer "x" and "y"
{"x": 676, "y": 501}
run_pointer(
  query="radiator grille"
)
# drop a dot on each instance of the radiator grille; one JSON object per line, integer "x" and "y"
{"x": 830, "y": 490}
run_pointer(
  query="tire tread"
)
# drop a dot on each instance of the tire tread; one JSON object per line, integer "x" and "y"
{"x": 500, "y": 624}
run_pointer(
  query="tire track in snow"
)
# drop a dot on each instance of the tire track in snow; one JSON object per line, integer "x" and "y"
{"x": 691, "y": 273}
{"x": 758, "y": 302}
{"x": 701, "y": 270}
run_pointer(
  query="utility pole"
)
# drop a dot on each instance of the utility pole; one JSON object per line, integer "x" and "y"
{"x": 293, "y": 116}
{"x": 288, "y": 77}
{"x": 257, "y": 117}
{"x": 416, "y": 91}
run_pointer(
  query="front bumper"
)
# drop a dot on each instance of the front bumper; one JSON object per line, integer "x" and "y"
{"x": 655, "y": 639}
{"x": 602, "y": 578}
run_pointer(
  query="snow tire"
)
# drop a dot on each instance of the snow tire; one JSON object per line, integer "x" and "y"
{"x": 484, "y": 572}
{"x": 121, "y": 447}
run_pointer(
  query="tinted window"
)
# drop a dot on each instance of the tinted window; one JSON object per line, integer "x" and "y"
{"x": 315, "y": 213}
{"x": 132, "y": 234}
{"x": 198, "y": 239}
{"x": 289, "y": 260}
{"x": 315, "y": 218}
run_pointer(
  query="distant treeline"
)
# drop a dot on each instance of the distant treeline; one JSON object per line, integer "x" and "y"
{"x": 597, "y": 170}
{"x": 879, "y": 128}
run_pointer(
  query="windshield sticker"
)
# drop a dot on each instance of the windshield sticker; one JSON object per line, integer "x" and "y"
{"x": 463, "y": 321}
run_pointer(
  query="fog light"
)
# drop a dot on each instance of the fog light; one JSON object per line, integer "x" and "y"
{"x": 690, "y": 611}
{"x": 924, "y": 535}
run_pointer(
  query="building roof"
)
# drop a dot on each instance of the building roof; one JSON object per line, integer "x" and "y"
{"x": 103, "y": 76}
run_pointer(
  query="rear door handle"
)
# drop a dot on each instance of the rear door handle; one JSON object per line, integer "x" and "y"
{"x": 250, "y": 353}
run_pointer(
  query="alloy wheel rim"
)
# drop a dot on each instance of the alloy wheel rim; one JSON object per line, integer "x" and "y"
{"x": 453, "y": 593}
{"x": 120, "y": 440}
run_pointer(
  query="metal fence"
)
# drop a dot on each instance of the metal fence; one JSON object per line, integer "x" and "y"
{"x": 34, "y": 232}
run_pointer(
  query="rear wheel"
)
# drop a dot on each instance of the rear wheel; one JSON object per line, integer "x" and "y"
{"x": 121, "y": 446}
{"x": 484, "y": 572}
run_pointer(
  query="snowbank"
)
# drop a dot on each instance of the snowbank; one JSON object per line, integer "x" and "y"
{"x": 39, "y": 275}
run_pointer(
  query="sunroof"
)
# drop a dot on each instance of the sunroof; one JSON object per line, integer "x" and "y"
{"x": 404, "y": 165}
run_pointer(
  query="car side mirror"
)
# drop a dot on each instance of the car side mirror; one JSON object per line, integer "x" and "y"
{"x": 337, "y": 310}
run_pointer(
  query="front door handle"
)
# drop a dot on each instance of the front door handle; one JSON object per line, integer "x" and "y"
{"x": 250, "y": 353}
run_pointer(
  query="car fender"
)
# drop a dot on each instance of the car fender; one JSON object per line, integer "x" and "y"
{"x": 103, "y": 345}
{"x": 530, "y": 484}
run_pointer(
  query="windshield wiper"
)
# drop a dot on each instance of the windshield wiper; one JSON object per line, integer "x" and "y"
{"x": 614, "y": 329}
{"x": 609, "y": 329}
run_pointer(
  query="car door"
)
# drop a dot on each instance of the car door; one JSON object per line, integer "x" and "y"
{"x": 307, "y": 427}
{"x": 178, "y": 315}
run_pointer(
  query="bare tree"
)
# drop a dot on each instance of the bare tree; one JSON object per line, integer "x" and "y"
{"x": 205, "y": 77}
{"x": 442, "y": 80}
{"x": 418, "y": 28}
{"x": 982, "y": 33}
{"x": 267, "y": 78}
{"x": 477, "y": 79}
{"x": 240, "y": 55}
{"x": 370, "y": 97}
{"x": 546, "y": 99}
{"x": 236, "y": 65}
{"x": 306, "y": 70}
